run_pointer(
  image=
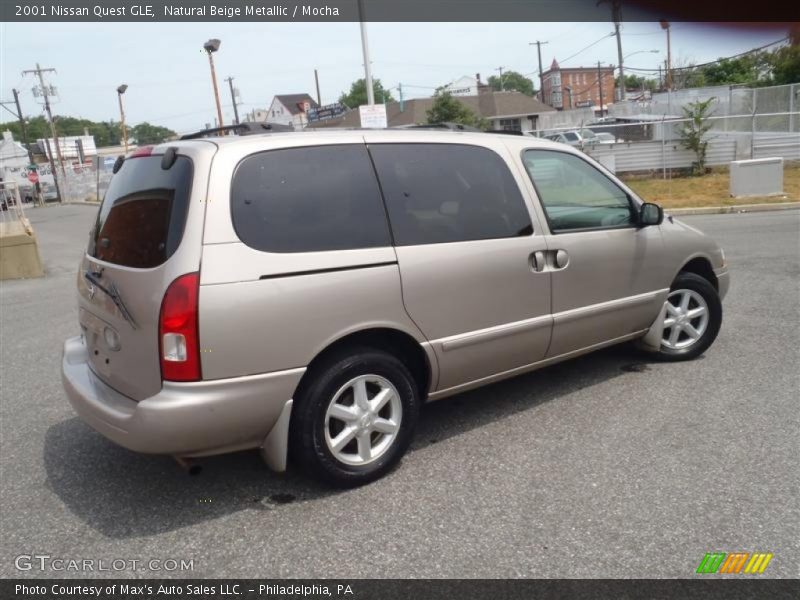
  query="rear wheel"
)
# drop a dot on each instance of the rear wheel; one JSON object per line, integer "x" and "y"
{"x": 692, "y": 318}
{"x": 355, "y": 417}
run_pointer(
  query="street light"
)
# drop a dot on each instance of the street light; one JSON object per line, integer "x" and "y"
{"x": 641, "y": 52}
{"x": 210, "y": 47}
{"x": 121, "y": 90}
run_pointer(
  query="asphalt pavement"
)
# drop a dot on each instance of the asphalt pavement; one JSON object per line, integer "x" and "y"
{"x": 606, "y": 466}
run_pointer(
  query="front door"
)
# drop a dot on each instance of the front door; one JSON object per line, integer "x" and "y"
{"x": 606, "y": 277}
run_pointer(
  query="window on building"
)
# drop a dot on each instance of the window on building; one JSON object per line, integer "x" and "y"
{"x": 510, "y": 124}
{"x": 308, "y": 199}
{"x": 438, "y": 193}
{"x": 574, "y": 194}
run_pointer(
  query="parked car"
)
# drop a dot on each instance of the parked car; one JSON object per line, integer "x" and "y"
{"x": 580, "y": 138}
{"x": 304, "y": 293}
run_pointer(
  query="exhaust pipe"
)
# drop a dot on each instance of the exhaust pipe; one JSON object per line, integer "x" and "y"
{"x": 188, "y": 465}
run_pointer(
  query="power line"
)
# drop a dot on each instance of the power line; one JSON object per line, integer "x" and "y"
{"x": 714, "y": 62}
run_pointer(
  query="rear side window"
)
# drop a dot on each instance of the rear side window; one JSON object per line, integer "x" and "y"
{"x": 439, "y": 193}
{"x": 308, "y": 199}
{"x": 140, "y": 223}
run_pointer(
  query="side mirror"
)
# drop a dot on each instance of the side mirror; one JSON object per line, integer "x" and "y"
{"x": 650, "y": 214}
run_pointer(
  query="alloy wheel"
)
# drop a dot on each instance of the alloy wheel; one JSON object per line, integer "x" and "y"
{"x": 363, "y": 420}
{"x": 685, "y": 319}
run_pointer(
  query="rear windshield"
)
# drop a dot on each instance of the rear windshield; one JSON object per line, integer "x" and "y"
{"x": 141, "y": 220}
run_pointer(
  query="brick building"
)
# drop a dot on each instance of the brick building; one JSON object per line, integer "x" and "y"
{"x": 577, "y": 87}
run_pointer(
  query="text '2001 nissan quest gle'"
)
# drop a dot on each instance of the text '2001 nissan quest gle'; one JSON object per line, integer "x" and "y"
{"x": 303, "y": 293}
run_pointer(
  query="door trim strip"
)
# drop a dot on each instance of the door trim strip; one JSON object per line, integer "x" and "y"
{"x": 479, "y": 336}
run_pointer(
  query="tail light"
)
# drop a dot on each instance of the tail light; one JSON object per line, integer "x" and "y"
{"x": 178, "y": 339}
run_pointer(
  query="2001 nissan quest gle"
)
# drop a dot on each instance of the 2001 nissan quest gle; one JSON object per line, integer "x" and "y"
{"x": 304, "y": 293}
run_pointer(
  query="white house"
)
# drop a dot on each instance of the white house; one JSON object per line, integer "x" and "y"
{"x": 290, "y": 109}
{"x": 464, "y": 86}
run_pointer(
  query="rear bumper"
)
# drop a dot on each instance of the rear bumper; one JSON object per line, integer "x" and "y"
{"x": 184, "y": 419}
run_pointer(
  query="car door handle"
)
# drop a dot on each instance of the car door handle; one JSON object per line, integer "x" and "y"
{"x": 548, "y": 260}
{"x": 538, "y": 261}
{"x": 562, "y": 259}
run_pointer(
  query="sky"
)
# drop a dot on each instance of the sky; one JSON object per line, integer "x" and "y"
{"x": 169, "y": 83}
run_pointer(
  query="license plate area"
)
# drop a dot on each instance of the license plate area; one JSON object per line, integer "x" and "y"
{"x": 100, "y": 356}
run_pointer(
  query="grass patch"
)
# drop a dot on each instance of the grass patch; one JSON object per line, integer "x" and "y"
{"x": 709, "y": 190}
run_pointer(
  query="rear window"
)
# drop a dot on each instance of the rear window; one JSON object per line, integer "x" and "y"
{"x": 309, "y": 199}
{"x": 141, "y": 220}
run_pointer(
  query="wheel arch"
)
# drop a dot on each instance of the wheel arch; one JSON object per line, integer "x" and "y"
{"x": 419, "y": 360}
{"x": 700, "y": 265}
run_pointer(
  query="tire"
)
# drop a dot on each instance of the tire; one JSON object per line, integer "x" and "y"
{"x": 701, "y": 294}
{"x": 315, "y": 431}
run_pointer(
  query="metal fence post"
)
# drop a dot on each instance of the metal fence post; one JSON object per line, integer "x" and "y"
{"x": 663, "y": 148}
{"x": 753, "y": 126}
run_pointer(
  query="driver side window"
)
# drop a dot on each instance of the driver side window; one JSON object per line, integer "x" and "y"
{"x": 574, "y": 194}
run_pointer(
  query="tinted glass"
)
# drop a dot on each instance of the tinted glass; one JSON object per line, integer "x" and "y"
{"x": 574, "y": 194}
{"x": 449, "y": 193}
{"x": 571, "y": 137}
{"x": 308, "y": 199}
{"x": 140, "y": 223}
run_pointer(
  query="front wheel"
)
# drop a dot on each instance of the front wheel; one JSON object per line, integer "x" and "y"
{"x": 355, "y": 418}
{"x": 692, "y": 318}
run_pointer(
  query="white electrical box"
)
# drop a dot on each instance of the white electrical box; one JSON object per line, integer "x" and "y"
{"x": 757, "y": 177}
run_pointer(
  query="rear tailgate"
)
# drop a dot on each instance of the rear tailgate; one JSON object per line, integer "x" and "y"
{"x": 148, "y": 232}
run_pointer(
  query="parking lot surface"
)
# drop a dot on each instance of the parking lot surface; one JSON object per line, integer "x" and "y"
{"x": 606, "y": 466}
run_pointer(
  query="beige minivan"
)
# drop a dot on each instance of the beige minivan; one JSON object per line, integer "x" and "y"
{"x": 303, "y": 293}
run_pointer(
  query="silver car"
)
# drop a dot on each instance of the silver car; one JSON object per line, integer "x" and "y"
{"x": 304, "y": 293}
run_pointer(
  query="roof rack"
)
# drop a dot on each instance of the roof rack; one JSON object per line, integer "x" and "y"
{"x": 246, "y": 128}
{"x": 448, "y": 126}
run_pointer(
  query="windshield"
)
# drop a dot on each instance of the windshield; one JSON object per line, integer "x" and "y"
{"x": 140, "y": 223}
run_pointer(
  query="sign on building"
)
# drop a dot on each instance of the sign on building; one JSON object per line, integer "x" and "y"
{"x": 323, "y": 113}
{"x": 373, "y": 116}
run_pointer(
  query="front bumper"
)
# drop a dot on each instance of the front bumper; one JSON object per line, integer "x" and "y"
{"x": 184, "y": 419}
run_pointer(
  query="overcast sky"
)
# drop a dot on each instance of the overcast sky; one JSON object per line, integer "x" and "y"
{"x": 169, "y": 82}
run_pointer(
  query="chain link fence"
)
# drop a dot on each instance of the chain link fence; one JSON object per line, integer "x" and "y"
{"x": 743, "y": 123}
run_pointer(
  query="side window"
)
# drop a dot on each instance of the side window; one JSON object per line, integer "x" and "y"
{"x": 574, "y": 194}
{"x": 308, "y": 199}
{"x": 439, "y": 193}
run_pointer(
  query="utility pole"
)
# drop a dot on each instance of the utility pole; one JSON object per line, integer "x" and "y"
{"x": 233, "y": 99}
{"x": 316, "y": 81}
{"x": 619, "y": 51}
{"x": 501, "y": 77}
{"x": 365, "y": 51}
{"x": 538, "y": 45}
{"x": 25, "y": 141}
{"x": 400, "y": 92}
{"x": 39, "y": 73}
{"x": 600, "y": 80}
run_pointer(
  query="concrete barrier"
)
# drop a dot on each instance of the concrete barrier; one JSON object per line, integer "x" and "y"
{"x": 19, "y": 252}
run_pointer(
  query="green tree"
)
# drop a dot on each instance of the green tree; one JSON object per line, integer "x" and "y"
{"x": 357, "y": 95}
{"x": 447, "y": 109}
{"x": 748, "y": 69}
{"x": 693, "y": 132}
{"x": 635, "y": 82}
{"x": 145, "y": 133}
{"x": 785, "y": 65}
{"x": 512, "y": 81}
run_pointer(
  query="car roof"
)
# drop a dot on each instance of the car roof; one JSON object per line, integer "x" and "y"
{"x": 277, "y": 140}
